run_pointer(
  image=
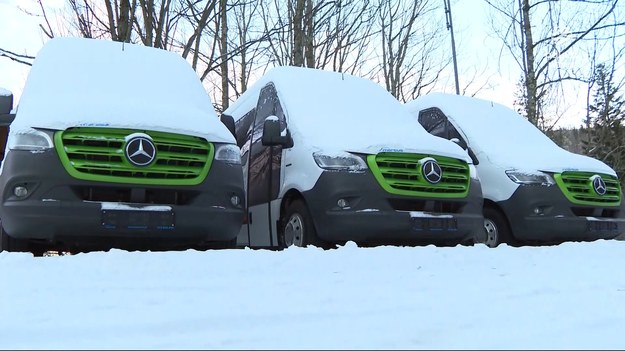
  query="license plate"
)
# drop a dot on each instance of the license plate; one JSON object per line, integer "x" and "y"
{"x": 138, "y": 220}
{"x": 434, "y": 224}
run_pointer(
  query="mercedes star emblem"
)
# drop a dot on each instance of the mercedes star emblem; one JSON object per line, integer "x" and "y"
{"x": 140, "y": 150}
{"x": 432, "y": 171}
{"x": 599, "y": 185}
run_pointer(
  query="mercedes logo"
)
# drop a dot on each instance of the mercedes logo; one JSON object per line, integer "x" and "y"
{"x": 140, "y": 150}
{"x": 432, "y": 171}
{"x": 599, "y": 185}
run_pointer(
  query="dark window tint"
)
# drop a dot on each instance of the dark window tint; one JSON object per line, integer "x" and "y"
{"x": 242, "y": 127}
{"x": 436, "y": 123}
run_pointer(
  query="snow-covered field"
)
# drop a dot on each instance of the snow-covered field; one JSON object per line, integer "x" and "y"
{"x": 570, "y": 296}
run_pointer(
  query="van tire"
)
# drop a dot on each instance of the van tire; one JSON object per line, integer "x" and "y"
{"x": 496, "y": 227}
{"x": 297, "y": 227}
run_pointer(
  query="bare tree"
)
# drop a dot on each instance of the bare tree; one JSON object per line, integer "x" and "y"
{"x": 541, "y": 51}
{"x": 223, "y": 47}
{"x": 247, "y": 41}
{"x": 23, "y": 59}
{"x": 344, "y": 32}
{"x": 409, "y": 40}
{"x": 277, "y": 24}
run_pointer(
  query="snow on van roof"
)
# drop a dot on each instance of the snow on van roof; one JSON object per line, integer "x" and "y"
{"x": 4, "y": 92}
{"x": 504, "y": 136}
{"x": 89, "y": 82}
{"x": 335, "y": 111}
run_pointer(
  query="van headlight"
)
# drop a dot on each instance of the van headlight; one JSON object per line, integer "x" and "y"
{"x": 228, "y": 153}
{"x": 339, "y": 161}
{"x": 31, "y": 140}
{"x": 530, "y": 178}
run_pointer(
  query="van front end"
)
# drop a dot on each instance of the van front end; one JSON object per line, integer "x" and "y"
{"x": 395, "y": 198}
{"x": 565, "y": 206}
{"x": 99, "y": 188}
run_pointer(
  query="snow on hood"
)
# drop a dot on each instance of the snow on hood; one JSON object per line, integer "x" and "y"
{"x": 332, "y": 111}
{"x": 89, "y": 82}
{"x": 505, "y": 137}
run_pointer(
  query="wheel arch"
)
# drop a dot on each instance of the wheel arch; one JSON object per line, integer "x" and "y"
{"x": 495, "y": 206}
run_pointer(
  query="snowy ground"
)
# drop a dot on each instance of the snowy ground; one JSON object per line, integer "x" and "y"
{"x": 570, "y": 296}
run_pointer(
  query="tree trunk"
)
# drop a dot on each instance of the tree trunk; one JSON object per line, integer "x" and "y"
{"x": 298, "y": 34}
{"x": 123, "y": 24}
{"x": 531, "y": 107}
{"x": 309, "y": 30}
{"x": 224, "y": 55}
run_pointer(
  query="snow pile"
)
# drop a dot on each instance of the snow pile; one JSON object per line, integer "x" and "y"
{"x": 98, "y": 83}
{"x": 563, "y": 297}
{"x": 504, "y": 136}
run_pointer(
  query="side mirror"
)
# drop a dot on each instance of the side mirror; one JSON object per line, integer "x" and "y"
{"x": 272, "y": 135}
{"x": 228, "y": 121}
{"x": 6, "y": 106}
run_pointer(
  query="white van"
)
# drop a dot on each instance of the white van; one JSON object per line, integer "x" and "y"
{"x": 534, "y": 191}
{"x": 329, "y": 157}
{"x": 117, "y": 145}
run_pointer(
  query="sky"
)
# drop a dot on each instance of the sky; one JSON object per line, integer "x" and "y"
{"x": 570, "y": 296}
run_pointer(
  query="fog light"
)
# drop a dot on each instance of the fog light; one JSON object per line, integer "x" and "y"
{"x": 538, "y": 210}
{"x": 342, "y": 203}
{"x": 235, "y": 200}
{"x": 20, "y": 191}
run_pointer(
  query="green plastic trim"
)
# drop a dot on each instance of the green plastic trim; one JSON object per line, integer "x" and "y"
{"x": 111, "y": 153}
{"x": 401, "y": 174}
{"x": 577, "y": 187}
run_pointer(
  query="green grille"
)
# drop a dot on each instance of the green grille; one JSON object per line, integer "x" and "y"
{"x": 98, "y": 154}
{"x": 577, "y": 187}
{"x": 401, "y": 173}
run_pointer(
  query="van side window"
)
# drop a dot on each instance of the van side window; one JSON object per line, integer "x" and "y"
{"x": 436, "y": 123}
{"x": 243, "y": 126}
{"x": 268, "y": 104}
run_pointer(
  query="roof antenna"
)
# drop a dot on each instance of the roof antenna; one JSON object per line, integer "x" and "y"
{"x": 123, "y": 43}
{"x": 342, "y": 75}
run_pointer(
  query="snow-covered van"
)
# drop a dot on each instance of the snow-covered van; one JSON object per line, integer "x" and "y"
{"x": 329, "y": 158}
{"x": 116, "y": 145}
{"x": 534, "y": 191}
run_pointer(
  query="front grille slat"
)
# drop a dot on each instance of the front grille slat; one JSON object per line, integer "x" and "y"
{"x": 400, "y": 173}
{"x": 578, "y": 188}
{"x": 98, "y": 154}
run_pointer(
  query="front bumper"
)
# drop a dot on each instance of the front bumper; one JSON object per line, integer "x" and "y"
{"x": 375, "y": 216}
{"x": 544, "y": 214}
{"x": 60, "y": 208}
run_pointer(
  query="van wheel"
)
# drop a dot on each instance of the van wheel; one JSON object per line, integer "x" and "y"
{"x": 496, "y": 227}
{"x": 297, "y": 228}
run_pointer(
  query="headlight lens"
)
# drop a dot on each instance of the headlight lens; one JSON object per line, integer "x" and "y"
{"x": 339, "y": 161}
{"x": 533, "y": 178}
{"x": 228, "y": 153}
{"x": 31, "y": 140}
